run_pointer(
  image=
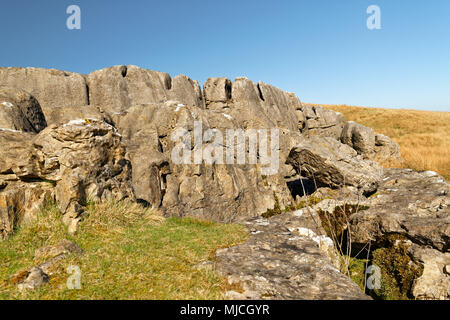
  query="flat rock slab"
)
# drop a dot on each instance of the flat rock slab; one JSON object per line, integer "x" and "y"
{"x": 409, "y": 203}
{"x": 285, "y": 258}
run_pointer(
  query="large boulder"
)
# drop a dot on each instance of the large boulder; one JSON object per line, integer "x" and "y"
{"x": 76, "y": 162}
{"x": 20, "y": 111}
{"x": 386, "y": 149}
{"x": 60, "y": 116}
{"x": 359, "y": 137}
{"x": 330, "y": 163}
{"x": 369, "y": 144}
{"x": 52, "y": 88}
{"x": 434, "y": 283}
{"x": 318, "y": 121}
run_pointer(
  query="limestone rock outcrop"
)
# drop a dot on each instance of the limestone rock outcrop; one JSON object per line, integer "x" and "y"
{"x": 408, "y": 218}
{"x": 368, "y": 143}
{"x": 117, "y": 132}
{"x": 76, "y": 162}
{"x": 319, "y": 121}
{"x": 218, "y": 191}
{"x": 52, "y": 88}
{"x": 415, "y": 205}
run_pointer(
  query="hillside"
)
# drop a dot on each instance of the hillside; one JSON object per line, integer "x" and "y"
{"x": 424, "y": 136}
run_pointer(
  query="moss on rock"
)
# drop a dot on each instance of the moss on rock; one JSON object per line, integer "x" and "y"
{"x": 398, "y": 271}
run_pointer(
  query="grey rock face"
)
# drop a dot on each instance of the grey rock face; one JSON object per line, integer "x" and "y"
{"x": 61, "y": 116}
{"x": 409, "y": 203}
{"x": 35, "y": 278}
{"x": 286, "y": 257}
{"x": 370, "y": 145}
{"x": 52, "y": 88}
{"x": 359, "y": 137}
{"x": 434, "y": 283}
{"x": 82, "y": 155}
{"x": 39, "y": 275}
{"x": 322, "y": 122}
{"x": 218, "y": 192}
{"x": 118, "y": 88}
{"x": 20, "y": 111}
{"x": 332, "y": 164}
{"x": 386, "y": 149}
{"x": 77, "y": 161}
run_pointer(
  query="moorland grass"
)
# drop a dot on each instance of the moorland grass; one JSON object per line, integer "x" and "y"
{"x": 423, "y": 136}
{"x": 131, "y": 252}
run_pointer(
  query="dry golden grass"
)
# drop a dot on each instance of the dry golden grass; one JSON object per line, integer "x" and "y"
{"x": 424, "y": 136}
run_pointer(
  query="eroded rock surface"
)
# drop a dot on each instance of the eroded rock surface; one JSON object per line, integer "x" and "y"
{"x": 370, "y": 144}
{"x": 332, "y": 164}
{"x": 409, "y": 203}
{"x": 286, "y": 257}
{"x": 52, "y": 88}
{"x": 321, "y": 122}
{"x": 75, "y": 162}
{"x": 20, "y": 111}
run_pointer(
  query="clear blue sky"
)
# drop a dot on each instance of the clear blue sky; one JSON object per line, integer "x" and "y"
{"x": 321, "y": 50}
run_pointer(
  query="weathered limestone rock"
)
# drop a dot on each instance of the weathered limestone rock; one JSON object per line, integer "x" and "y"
{"x": 413, "y": 204}
{"x": 386, "y": 149}
{"x": 434, "y": 283}
{"x": 35, "y": 278}
{"x": 332, "y": 164}
{"x": 359, "y": 137}
{"x": 81, "y": 160}
{"x": 319, "y": 121}
{"x": 118, "y": 88}
{"x": 87, "y": 162}
{"x": 217, "y": 90}
{"x": 186, "y": 90}
{"x": 60, "y": 116}
{"x": 218, "y": 192}
{"x": 286, "y": 257}
{"x": 370, "y": 145}
{"x": 20, "y": 111}
{"x": 20, "y": 203}
{"x": 64, "y": 247}
{"x": 52, "y": 88}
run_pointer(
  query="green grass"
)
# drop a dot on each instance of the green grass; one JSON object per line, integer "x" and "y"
{"x": 130, "y": 253}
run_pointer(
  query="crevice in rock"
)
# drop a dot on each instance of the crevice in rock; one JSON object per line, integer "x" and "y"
{"x": 301, "y": 187}
{"x": 88, "y": 93}
{"x": 228, "y": 90}
{"x": 168, "y": 82}
{"x": 124, "y": 71}
{"x": 261, "y": 96}
{"x": 31, "y": 179}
